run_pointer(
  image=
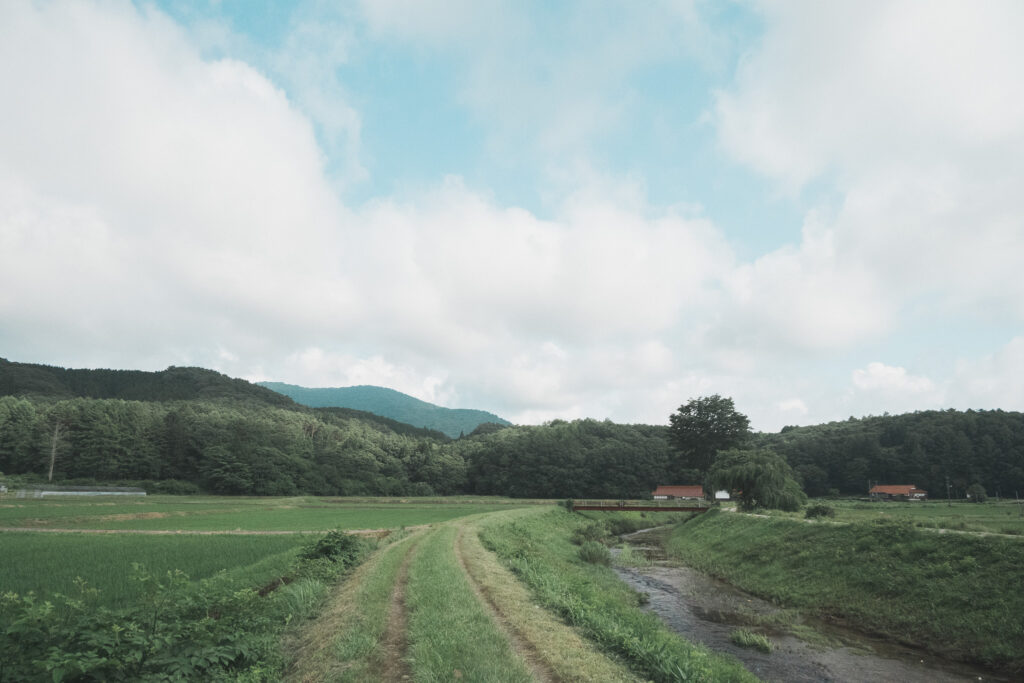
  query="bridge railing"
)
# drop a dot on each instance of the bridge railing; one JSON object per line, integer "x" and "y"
{"x": 606, "y": 504}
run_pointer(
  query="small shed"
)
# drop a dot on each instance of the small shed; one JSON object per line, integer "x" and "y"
{"x": 678, "y": 493}
{"x": 897, "y": 492}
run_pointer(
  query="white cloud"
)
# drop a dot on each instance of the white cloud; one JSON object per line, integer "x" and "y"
{"x": 183, "y": 214}
{"x": 148, "y": 192}
{"x": 160, "y": 207}
{"x": 812, "y": 297}
{"x": 992, "y": 381}
{"x": 793, "y": 406}
{"x": 911, "y": 115}
{"x": 850, "y": 87}
{"x": 890, "y": 379}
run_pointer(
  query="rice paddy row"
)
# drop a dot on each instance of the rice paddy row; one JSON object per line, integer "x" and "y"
{"x": 200, "y": 513}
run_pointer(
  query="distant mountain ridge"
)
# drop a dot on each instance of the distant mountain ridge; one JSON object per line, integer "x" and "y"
{"x": 172, "y": 384}
{"x": 389, "y": 403}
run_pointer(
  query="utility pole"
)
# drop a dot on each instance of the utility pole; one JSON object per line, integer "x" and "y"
{"x": 57, "y": 428}
{"x": 949, "y": 501}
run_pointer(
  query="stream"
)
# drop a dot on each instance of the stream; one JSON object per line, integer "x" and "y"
{"x": 705, "y": 610}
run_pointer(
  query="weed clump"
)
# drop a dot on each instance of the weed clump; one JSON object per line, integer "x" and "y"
{"x": 819, "y": 510}
{"x": 745, "y": 638}
{"x": 595, "y": 553}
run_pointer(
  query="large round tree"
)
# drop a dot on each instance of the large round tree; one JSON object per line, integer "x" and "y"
{"x": 702, "y": 427}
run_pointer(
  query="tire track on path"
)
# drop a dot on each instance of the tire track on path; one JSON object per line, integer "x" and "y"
{"x": 391, "y": 661}
{"x": 522, "y": 647}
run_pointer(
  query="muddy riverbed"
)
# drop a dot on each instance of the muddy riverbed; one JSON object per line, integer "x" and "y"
{"x": 707, "y": 611}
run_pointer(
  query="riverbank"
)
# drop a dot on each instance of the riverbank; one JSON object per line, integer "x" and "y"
{"x": 957, "y": 596}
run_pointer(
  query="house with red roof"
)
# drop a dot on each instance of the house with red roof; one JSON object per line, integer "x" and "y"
{"x": 897, "y": 492}
{"x": 678, "y": 492}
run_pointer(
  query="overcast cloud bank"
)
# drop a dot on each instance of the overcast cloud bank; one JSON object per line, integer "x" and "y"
{"x": 160, "y": 205}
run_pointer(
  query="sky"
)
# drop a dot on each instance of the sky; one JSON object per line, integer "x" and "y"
{"x": 544, "y": 210}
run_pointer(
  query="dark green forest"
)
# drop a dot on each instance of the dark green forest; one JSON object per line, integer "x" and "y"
{"x": 921, "y": 448}
{"x": 190, "y": 430}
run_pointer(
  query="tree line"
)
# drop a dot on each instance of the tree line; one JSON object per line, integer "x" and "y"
{"x": 194, "y": 429}
{"x": 925, "y": 448}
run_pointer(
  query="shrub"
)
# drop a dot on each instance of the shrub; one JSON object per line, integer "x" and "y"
{"x": 595, "y": 531}
{"x": 819, "y": 510}
{"x": 622, "y": 525}
{"x": 976, "y": 492}
{"x": 336, "y": 546}
{"x": 595, "y": 553}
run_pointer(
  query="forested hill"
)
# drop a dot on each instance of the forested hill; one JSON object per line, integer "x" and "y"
{"x": 392, "y": 404}
{"x": 922, "y": 448}
{"x": 172, "y": 384}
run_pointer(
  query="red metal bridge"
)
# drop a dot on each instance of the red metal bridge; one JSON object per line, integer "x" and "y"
{"x": 641, "y": 506}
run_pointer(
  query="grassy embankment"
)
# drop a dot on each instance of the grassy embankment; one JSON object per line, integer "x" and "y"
{"x": 955, "y": 594}
{"x": 538, "y": 547}
{"x": 994, "y": 517}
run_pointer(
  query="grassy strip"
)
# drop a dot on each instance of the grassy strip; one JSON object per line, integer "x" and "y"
{"x": 50, "y": 563}
{"x": 451, "y": 634}
{"x": 999, "y": 517}
{"x": 340, "y": 644}
{"x": 957, "y": 595}
{"x": 569, "y": 656}
{"x": 537, "y": 547}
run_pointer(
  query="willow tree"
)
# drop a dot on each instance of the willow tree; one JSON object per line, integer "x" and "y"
{"x": 758, "y": 478}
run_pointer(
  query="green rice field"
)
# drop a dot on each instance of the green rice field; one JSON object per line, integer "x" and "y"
{"x": 48, "y": 561}
{"x": 208, "y": 513}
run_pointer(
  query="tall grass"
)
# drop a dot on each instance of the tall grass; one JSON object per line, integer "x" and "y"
{"x": 954, "y": 594}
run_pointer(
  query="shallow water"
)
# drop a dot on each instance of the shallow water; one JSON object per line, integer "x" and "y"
{"x": 705, "y": 610}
